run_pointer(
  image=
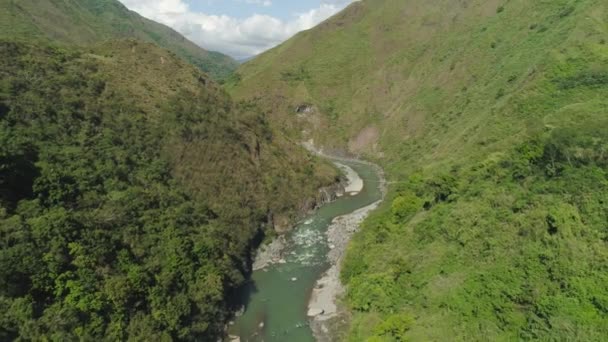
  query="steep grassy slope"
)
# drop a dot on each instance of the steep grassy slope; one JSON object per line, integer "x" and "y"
{"x": 84, "y": 22}
{"x": 412, "y": 71}
{"x": 490, "y": 119}
{"x": 132, "y": 191}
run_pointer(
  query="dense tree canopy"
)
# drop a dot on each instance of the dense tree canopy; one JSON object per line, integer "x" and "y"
{"x": 128, "y": 206}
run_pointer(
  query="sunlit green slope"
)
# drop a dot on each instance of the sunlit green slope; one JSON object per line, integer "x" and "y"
{"x": 490, "y": 118}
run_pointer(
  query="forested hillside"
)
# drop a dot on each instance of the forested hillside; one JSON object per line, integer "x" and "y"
{"x": 490, "y": 118}
{"x": 86, "y": 22}
{"x": 132, "y": 191}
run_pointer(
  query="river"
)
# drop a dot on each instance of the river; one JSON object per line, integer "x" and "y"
{"x": 276, "y": 299}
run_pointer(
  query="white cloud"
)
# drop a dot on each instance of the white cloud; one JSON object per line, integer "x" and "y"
{"x": 264, "y": 3}
{"x": 236, "y": 37}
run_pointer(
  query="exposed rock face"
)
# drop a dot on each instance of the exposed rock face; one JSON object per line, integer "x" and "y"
{"x": 270, "y": 254}
{"x": 282, "y": 223}
{"x": 305, "y": 109}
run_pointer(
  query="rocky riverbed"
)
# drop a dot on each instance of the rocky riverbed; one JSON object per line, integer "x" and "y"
{"x": 323, "y": 308}
{"x": 273, "y": 252}
{"x": 323, "y": 305}
{"x": 295, "y": 289}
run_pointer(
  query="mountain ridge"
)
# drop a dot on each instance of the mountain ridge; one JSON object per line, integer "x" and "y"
{"x": 84, "y": 22}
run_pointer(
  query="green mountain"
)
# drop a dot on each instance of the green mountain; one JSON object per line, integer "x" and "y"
{"x": 85, "y": 22}
{"x": 490, "y": 118}
{"x": 132, "y": 193}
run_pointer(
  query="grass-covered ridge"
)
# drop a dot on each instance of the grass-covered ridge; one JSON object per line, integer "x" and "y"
{"x": 132, "y": 191}
{"x": 490, "y": 119}
{"x": 85, "y": 22}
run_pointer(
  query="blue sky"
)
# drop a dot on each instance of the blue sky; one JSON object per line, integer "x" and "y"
{"x": 240, "y": 28}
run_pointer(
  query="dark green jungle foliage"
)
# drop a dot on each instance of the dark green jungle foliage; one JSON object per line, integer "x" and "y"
{"x": 112, "y": 225}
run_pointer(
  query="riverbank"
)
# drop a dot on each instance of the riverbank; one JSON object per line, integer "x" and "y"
{"x": 322, "y": 305}
{"x": 323, "y": 309}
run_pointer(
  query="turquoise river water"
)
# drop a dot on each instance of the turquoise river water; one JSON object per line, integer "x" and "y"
{"x": 276, "y": 298}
